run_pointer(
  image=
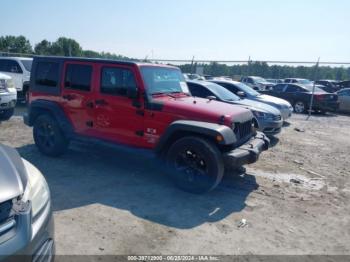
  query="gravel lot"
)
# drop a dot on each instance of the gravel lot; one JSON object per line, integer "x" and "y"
{"x": 295, "y": 199}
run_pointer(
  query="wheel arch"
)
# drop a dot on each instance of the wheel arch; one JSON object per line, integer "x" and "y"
{"x": 182, "y": 128}
{"x": 39, "y": 107}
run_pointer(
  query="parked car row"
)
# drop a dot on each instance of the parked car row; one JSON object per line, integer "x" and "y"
{"x": 330, "y": 95}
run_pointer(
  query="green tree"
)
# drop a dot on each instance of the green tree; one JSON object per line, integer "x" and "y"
{"x": 15, "y": 44}
{"x": 43, "y": 48}
{"x": 66, "y": 47}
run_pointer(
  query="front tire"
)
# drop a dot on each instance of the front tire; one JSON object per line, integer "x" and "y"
{"x": 48, "y": 136}
{"x": 6, "y": 114}
{"x": 299, "y": 107}
{"x": 195, "y": 164}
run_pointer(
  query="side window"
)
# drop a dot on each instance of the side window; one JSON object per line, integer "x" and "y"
{"x": 292, "y": 89}
{"x": 230, "y": 88}
{"x": 10, "y": 66}
{"x": 2, "y": 65}
{"x": 47, "y": 74}
{"x": 78, "y": 77}
{"x": 344, "y": 93}
{"x": 14, "y": 67}
{"x": 279, "y": 88}
{"x": 116, "y": 81}
{"x": 250, "y": 81}
{"x": 199, "y": 91}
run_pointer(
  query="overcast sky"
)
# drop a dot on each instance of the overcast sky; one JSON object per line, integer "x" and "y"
{"x": 180, "y": 29}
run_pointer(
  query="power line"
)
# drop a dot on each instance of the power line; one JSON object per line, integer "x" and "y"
{"x": 5, "y": 53}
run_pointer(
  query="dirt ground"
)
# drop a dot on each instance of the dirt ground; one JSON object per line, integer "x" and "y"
{"x": 295, "y": 199}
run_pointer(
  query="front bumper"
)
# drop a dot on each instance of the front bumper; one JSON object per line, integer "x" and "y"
{"x": 248, "y": 153}
{"x": 270, "y": 127}
{"x": 286, "y": 113}
{"x": 33, "y": 243}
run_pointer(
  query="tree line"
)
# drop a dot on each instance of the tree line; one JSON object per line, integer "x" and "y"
{"x": 270, "y": 71}
{"x": 64, "y": 46}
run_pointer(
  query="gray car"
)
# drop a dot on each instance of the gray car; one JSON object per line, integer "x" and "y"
{"x": 26, "y": 222}
{"x": 247, "y": 92}
{"x": 269, "y": 119}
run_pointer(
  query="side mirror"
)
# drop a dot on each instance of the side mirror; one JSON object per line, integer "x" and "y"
{"x": 211, "y": 97}
{"x": 132, "y": 92}
{"x": 241, "y": 93}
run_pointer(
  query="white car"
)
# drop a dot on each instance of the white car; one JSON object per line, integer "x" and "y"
{"x": 257, "y": 83}
{"x": 19, "y": 69}
{"x": 8, "y": 97}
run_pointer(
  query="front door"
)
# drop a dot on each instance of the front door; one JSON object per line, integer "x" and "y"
{"x": 77, "y": 90}
{"x": 117, "y": 117}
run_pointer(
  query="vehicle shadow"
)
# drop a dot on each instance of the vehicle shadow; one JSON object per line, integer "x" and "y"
{"x": 286, "y": 124}
{"x": 20, "y": 109}
{"x": 273, "y": 140}
{"x": 133, "y": 181}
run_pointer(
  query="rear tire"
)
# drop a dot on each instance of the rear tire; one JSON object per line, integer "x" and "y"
{"x": 195, "y": 164}
{"x": 300, "y": 107}
{"x": 48, "y": 136}
{"x": 6, "y": 114}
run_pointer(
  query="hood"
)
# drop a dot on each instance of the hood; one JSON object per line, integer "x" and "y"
{"x": 201, "y": 109}
{"x": 273, "y": 100}
{"x": 13, "y": 176}
{"x": 258, "y": 106}
{"x": 3, "y": 76}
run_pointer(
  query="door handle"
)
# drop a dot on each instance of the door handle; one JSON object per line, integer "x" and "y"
{"x": 68, "y": 97}
{"x": 101, "y": 102}
{"x": 90, "y": 104}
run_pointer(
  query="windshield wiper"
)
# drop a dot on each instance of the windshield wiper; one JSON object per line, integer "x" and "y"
{"x": 163, "y": 93}
{"x": 179, "y": 92}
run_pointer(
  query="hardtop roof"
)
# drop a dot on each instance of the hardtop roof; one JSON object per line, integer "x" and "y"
{"x": 100, "y": 60}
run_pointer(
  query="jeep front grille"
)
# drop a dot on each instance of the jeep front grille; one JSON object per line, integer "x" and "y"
{"x": 243, "y": 130}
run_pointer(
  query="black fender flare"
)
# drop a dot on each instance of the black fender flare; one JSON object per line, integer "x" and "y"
{"x": 39, "y": 107}
{"x": 189, "y": 127}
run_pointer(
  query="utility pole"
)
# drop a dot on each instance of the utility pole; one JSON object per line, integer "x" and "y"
{"x": 192, "y": 62}
{"x": 313, "y": 89}
{"x": 248, "y": 73}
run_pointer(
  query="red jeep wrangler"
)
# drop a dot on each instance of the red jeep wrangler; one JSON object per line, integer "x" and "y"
{"x": 144, "y": 106}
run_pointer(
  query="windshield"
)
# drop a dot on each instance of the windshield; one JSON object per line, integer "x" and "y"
{"x": 222, "y": 92}
{"x": 247, "y": 89}
{"x": 163, "y": 80}
{"x": 27, "y": 64}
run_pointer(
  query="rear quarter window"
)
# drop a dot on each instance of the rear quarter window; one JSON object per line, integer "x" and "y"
{"x": 47, "y": 74}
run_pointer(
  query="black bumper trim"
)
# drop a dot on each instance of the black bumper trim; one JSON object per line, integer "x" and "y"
{"x": 248, "y": 153}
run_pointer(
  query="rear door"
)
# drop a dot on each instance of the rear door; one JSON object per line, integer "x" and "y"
{"x": 116, "y": 117}
{"x": 77, "y": 86}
